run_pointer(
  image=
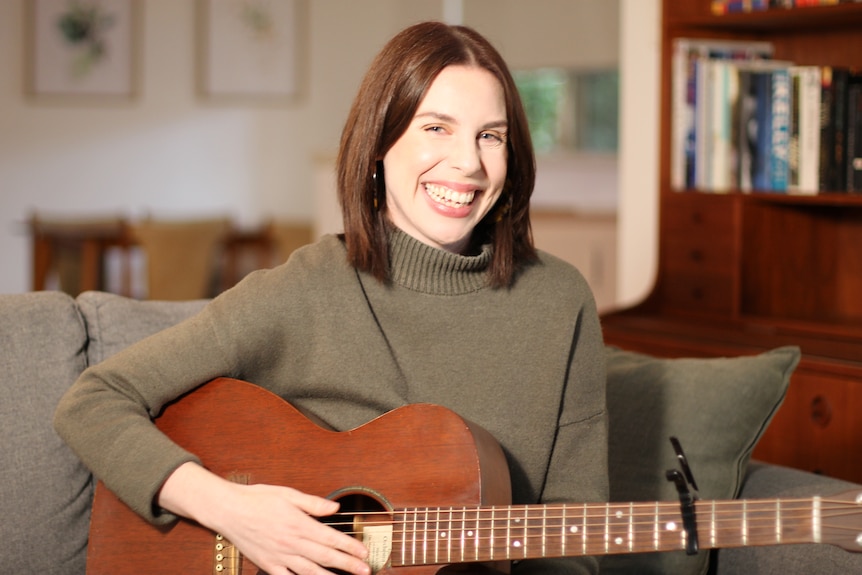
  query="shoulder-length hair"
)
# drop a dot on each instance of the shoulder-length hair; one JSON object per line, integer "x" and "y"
{"x": 390, "y": 93}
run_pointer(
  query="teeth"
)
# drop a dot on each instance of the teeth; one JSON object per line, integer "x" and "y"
{"x": 449, "y": 197}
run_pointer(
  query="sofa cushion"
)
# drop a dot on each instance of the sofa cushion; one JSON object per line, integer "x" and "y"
{"x": 718, "y": 408}
{"x": 115, "y": 322}
{"x": 46, "y": 492}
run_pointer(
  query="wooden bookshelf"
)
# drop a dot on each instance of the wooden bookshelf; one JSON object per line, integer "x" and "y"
{"x": 740, "y": 273}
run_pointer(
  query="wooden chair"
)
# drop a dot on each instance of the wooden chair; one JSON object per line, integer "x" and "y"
{"x": 181, "y": 256}
{"x": 70, "y": 252}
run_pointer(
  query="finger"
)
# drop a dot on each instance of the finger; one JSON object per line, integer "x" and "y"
{"x": 314, "y": 505}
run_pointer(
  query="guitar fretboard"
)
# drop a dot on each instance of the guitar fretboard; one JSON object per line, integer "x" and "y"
{"x": 425, "y": 536}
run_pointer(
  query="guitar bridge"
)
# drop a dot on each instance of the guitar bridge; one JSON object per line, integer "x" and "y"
{"x": 226, "y": 557}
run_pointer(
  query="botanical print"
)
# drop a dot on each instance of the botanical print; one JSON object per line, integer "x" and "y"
{"x": 249, "y": 47}
{"x": 84, "y": 26}
{"x": 82, "y": 47}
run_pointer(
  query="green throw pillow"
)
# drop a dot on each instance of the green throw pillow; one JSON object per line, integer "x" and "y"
{"x": 717, "y": 408}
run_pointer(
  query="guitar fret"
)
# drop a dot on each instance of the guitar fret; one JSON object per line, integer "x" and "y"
{"x": 631, "y": 526}
{"x": 463, "y": 533}
{"x": 544, "y": 531}
{"x": 713, "y": 530}
{"x": 778, "y": 529}
{"x": 415, "y": 531}
{"x": 491, "y": 537}
{"x": 437, "y": 533}
{"x": 476, "y": 536}
{"x": 744, "y": 522}
{"x": 449, "y": 538}
{"x": 563, "y": 534}
{"x": 584, "y": 531}
{"x": 425, "y": 536}
{"x": 509, "y": 533}
{"x": 815, "y": 519}
{"x": 656, "y": 538}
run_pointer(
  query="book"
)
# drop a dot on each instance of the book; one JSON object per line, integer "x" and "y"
{"x": 763, "y": 145}
{"x": 827, "y": 131}
{"x": 722, "y": 153}
{"x": 779, "y": 124}
{"x": 687, "y": 67}
{"x": 804, "y": 159}
{"x": 853, "y": 154}
{"x": 833, "y": 118}
{"x": 759, "y": 126}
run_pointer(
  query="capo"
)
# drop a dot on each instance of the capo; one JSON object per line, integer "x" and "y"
{"x": 682, "y": 480}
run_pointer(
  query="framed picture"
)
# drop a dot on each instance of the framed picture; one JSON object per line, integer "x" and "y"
{"x": 82, "y": 48}
{"x": 248, "y": 48}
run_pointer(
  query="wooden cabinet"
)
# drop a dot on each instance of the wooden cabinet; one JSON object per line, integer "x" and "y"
{"x": 740, "y": 273}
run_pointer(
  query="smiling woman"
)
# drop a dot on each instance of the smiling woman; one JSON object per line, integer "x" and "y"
{"x": 385, "y": 107}
{"x": 448, "y": 169}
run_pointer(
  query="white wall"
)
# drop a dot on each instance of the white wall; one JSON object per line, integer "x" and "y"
{"x": 637, "y": 219}
{"x": 169, "y": 153}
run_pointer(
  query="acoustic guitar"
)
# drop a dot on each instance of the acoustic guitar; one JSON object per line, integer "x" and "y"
{"x": 422, "y": 488}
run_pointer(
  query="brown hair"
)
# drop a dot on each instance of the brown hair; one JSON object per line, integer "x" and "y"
{"x": 388, "y": 97}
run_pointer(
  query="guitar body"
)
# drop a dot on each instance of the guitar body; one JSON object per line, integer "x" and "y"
{"x": 416, "y": 456}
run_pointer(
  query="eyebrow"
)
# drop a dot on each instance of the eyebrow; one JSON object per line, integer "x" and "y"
{"x": 451, "y": 120}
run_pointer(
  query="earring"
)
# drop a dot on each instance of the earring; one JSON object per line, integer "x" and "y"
{"x": 378, "y": 182}
{"x": 374, "y": 179}
{"x": 504, "y": 208}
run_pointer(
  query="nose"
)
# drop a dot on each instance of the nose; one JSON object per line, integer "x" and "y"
{"x": 465, "y": 155}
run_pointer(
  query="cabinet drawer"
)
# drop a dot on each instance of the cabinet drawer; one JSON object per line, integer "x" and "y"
{"x": 709, "y": 214}
{"x": 818, "y": 427}
{"x": 699, "y": 293}
{"x": 697, "y": 252}
{"x": 698, "y": 236}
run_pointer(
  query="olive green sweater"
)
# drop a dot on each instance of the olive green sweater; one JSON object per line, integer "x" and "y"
{"x": 526, "y": 363}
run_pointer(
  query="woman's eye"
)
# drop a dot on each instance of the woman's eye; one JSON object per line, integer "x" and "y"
{"x": 491, "y": 139}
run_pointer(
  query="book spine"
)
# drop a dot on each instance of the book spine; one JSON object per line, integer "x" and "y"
{"x": 809, "y": 130}
{"x": 793, "y": 159}
{"x": 854, "y": 136}
{"x": 762, "y": 150}
{"x": 840, "y": 77}
{"x": 746, "y": 131}
{"x": 827, "y": 131}
{"x": 780, "y": 134}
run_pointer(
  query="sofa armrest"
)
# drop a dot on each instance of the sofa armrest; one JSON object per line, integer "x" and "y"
{"x": 764, "y": 480}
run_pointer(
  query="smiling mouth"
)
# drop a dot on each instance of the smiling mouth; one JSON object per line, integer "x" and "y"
{"x": 449, "y": 197}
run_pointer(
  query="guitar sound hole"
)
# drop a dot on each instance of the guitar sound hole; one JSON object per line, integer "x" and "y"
{"x": 359, "y": 510}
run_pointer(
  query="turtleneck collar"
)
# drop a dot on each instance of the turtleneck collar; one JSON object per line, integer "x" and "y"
{"x": 423, "y": 268}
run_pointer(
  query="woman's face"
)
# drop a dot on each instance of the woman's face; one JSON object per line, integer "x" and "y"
{"x": 448, "y": 168}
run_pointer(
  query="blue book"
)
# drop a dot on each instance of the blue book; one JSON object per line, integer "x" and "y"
{"x": 760, "y": 129}
{"x": 780, "y": 128}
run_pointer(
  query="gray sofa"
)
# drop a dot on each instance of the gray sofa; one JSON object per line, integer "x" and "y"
{"x": 48, "y": 338}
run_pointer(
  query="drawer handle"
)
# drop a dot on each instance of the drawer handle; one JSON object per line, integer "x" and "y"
{"x": 696, "y": 255}
{"x": 821, "y": 411}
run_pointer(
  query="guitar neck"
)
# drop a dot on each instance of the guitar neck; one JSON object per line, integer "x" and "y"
{"x": 423, "y": 536}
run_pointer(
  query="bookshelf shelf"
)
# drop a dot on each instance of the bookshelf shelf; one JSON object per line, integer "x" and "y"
{"x": 781, "y": 20}
{"x": 850, "y": 201}
{"x": 743, "y": 272}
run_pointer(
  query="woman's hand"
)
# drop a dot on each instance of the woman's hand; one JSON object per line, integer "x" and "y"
{"x": 274, "y": 527}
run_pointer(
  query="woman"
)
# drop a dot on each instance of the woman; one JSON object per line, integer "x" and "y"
{"x": 434, "y": 293}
